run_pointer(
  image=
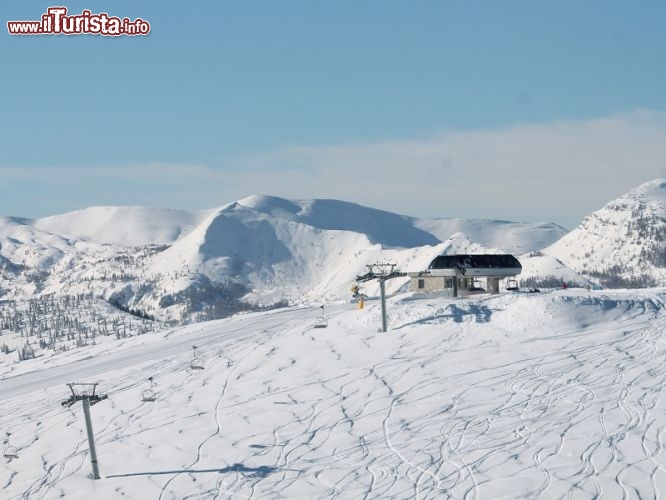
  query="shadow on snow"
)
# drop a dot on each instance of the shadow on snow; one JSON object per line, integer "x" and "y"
{"x": 481, "y": 314}
{"x": 261, "y": 471}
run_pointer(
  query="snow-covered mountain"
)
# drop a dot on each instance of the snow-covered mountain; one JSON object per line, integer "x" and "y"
{"x": 460, "y": 397}
{"x": 123, "y": 226}
{"x": 623, "y": 243}
{"x": 261, "y": 250}
{"x": 541, "y": 270}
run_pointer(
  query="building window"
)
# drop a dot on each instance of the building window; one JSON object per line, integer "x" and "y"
{"x": 448, "y": 283}
{"x": 421, "y": 283}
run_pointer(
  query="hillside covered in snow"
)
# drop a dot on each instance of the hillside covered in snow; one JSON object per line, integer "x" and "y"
{"x": 623, "y": 243}
{"x": 552, "y": 395}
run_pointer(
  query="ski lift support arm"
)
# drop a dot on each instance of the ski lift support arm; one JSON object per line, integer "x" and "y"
{"x": 381, "y": 272}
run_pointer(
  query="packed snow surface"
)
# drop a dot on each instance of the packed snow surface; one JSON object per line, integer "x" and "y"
{"x": 551, "y": 395}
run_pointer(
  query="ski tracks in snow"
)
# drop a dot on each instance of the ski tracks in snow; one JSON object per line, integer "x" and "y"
{"x": 442, "y": 412}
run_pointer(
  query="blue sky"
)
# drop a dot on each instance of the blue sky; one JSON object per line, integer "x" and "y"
{"x": 222, "y": 98}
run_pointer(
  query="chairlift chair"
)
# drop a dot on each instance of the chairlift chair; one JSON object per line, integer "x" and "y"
{"x": 512, "y": 284}
{"x": 10, "y": 452}
{"x": 321, "y": 322}
{"x": 197, "y": 362}
{"x": 149, "y": 395}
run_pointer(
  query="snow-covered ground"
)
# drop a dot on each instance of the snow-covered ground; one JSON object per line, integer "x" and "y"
{"x": 551, "y": 395}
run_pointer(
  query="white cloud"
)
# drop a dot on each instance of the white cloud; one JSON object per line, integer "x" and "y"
{"x": 554, "y": 171}
{"x": 557, "y": 171}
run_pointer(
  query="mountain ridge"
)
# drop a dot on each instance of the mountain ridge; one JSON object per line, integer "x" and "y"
{"x": 624, "y": 242}
{"x": 173, "y": 264}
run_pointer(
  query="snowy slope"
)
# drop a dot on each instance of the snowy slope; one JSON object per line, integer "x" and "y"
{"x": 545, "y": 270}
{"x": 385, "y": 228}
{"x": 512, "y": 237}
{"x": 22, "y": 244}
{"x": 516, "y": 396}
{"x": 123, "y": 226}
{"x": 623, "y": 242}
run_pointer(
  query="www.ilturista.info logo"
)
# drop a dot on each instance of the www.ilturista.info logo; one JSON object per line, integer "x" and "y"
{"x": 57, "y": 22}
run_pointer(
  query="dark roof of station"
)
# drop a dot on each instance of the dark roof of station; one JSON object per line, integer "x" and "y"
{"x": 466, "y": 261}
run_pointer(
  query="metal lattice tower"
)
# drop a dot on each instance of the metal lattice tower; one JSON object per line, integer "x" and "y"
{"x": 381, "y": 272}
{"x": 86, "y": 393}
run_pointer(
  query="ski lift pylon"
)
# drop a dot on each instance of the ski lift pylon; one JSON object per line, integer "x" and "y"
{"x": 197, "y": 362}
{"x": 10, "y": 452}
{"x": 149, "y": 395}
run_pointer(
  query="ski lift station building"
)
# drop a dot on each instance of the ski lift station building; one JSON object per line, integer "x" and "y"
{"x": 464, "y": 274}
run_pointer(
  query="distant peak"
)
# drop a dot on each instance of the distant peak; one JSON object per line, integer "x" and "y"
{"x": 459, "y": 237}
{"x": 270, "y": 204}
{"x": 650, "y": 189}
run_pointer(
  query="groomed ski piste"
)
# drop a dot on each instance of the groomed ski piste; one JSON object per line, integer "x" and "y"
{"x": 544, "y": 395}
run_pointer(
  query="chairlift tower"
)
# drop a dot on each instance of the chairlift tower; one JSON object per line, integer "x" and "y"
{"x": 381, "y": 272}
{"x": 85, "y": 392}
